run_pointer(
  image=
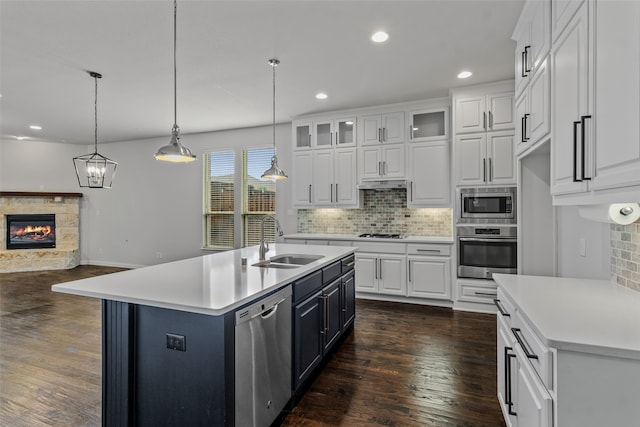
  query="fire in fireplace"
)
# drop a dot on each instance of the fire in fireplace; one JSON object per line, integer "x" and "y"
{"x": 31, "y": 231}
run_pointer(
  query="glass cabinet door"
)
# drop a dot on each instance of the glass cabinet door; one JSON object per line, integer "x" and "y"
{"x": 428, "y": 125}
{"x": 324, "y": 138}
{"x": 346, "y": 131}
{"x": 303, "y": 135}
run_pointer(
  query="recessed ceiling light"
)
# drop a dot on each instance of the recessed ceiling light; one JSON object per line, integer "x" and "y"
{"x": 464, "y": 74}
{"x": 349, "y": 123}
{"x": 20, "y": 138}
{"x": 35, "y": 127}
{"x": 380, "y": 36}
{"x": 321, "y": 95}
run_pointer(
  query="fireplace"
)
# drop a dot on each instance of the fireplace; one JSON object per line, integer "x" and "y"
{"x": 31, "y": 231}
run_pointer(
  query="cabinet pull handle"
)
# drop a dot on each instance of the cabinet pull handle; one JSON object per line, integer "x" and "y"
{"x": 411, "y": 131}
{"x": 517, "y": 333}
{"x": 336, "y": 192}
{"x": 309, "y": 193}
{"x": 484, "y": 120}
{"x": 523, "y": 68}
{"x": 490, "y": 169}
{"x": 484, "y": 170}
{"x": 501, "y": 309}
{"x": 309, "y": 143}
{"x": 379, "y": 134}
{"x": 375, "y": 267}
{"x": 507, "y": 378}
{"x": 384, "y": 167}
{"x": 380, "y": 168}
{"x": 485, "y": 294}
{"x": 526, "y": 59}
{"x": 384, "y": 134}
{"x": 326, "y": 313}
{"x": 575, "y": 152}
{"x": 526, "y": 116}
{"x": 380, "y": 267}
{"x": 409, "y": 271}
{"x": 337, "y": 141}
{"x": 331, "y": 193}
{"x": 490, "y": 120}
{"x": 522, "y": 125}
{"x": 582, "y": 142}
{"x": 429, "y": 250}
{"x": 411, "y": 190}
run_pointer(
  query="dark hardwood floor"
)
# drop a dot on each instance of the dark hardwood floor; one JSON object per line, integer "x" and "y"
{"x": 403, "y": 365}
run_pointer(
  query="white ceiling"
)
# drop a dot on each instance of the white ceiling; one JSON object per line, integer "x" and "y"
{"x": 224, "y": 80}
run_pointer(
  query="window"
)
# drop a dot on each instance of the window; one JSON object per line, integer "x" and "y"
{"x": 225, "y": 226}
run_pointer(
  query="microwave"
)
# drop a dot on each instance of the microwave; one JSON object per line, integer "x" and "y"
{"x": 487, "y": 204}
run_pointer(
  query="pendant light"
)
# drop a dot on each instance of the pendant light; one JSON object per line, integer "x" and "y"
{"x": 95, "y": 170}
{"x": 274, "y": 172}
{"x": 174, "y": 151}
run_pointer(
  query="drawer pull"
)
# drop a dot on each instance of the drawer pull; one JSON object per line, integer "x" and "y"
{"x": 428, "y": 250}
{"x": 501, "y": 308}
{"x": 485, "y": 294}
{"x": 517, "y": 333}
{"x": 507, "y": 378}
{"x": 351, "y": 264}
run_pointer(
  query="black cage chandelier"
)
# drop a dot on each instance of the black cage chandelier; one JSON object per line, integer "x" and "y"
{"x": 95, "y": 170}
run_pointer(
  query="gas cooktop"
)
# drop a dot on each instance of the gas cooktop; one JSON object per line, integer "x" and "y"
{"x": 382, "y": 236}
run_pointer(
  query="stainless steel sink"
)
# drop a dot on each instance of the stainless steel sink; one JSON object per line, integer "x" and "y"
{"x": 288, "y": 261}
{"x": 300, "y": 259}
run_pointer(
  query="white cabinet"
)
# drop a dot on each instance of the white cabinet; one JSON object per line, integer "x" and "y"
{"x": 382, "y": 128}
{"x": 302, "y": 179}
{"x": 533, "y": 110}
{"x": 302, "y": 134}
{"x": 429, "y": 173}
{"x": 383, "y": 162}
{"x": 484, "y": 113}
{"x": 595, "y": 88}
{"x": 334, "y": 178}
{"x": 429, "y": 271}
{"x": 381, "y": 273}
{"x": 428, "y": 125}
{"x": 334, "y": 133}
{"x": 533, "y": 40}
{"x": 485, "y": 159}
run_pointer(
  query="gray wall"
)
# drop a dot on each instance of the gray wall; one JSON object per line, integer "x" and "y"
{"x": 153, "y": 207}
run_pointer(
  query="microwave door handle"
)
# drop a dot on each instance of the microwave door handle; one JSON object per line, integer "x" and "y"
{"x": 490, "y": 240}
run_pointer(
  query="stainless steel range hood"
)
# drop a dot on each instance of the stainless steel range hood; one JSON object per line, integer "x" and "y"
{"x": 382, "y": 185}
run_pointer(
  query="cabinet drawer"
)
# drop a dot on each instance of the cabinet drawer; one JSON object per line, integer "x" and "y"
{"x": 473, "y": 292}
{"x": 506, "y": 309}
{"x": 432, "y": 249}
{"x": 538, "y": 354}
{"x": 306, "y": 286}
{"x": 385, "y": 248}
{"x": 348, "y": 263}
{"x": 331, "y": 272}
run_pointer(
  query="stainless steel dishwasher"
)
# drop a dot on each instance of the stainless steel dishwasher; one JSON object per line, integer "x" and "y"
{"x": 263, "y": 359}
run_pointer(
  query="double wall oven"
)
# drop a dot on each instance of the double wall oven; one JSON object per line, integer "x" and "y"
{"x": 487, "y": 235}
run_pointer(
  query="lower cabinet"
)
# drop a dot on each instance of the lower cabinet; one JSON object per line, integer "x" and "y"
{"x": 429, "y": 271}
{"x": 324, "y": 308}
{"x": 381, "y": 273}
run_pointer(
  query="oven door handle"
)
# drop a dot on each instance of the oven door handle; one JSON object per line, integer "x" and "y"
{"x": 491, "y": 240}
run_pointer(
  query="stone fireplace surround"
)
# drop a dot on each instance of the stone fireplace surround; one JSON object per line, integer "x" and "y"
{"x": 66, "y": 254}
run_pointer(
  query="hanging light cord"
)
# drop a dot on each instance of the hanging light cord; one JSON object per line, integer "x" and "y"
{"x": 274, "y": 106}
{"x": 95, "y": 109}
{"x": 175, "y": 72}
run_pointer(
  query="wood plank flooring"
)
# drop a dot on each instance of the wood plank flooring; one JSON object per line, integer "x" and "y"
{"x": 403, "y": 365}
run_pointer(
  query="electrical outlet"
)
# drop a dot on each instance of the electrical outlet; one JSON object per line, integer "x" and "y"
{"x": 158, "y": 255}
{"x": 176, "y": 342}
{"x": 582, "y": 248}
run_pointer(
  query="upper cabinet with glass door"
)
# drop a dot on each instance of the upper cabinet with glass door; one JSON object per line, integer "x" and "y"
{"x": 429, "y": 125}
{"x": 302, "y": 132}
{"x": 334, "y": 133}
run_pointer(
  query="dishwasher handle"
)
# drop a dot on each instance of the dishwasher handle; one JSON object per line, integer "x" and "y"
{"x": 267, "y": 313}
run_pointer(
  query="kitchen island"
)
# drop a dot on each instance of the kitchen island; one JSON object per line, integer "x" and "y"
{"x": 169, "y": 331}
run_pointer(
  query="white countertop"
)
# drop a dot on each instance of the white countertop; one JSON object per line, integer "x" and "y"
{"x": 406, "y": 239}
{"x": 594, "y": 316}
{"x": 210, "y": 284}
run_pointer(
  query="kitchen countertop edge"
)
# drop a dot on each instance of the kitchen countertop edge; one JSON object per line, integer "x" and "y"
{"x": 350, "y": 237}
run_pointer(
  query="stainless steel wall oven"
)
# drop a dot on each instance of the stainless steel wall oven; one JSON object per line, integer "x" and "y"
{"x": 487, "y": 249}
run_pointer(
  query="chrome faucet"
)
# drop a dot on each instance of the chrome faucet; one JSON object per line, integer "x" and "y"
{"x": 264, "y": 245}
